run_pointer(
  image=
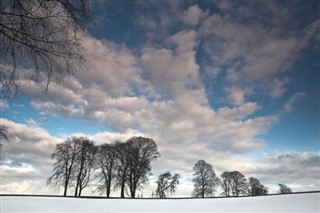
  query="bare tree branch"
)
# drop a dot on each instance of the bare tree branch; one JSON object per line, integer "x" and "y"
{"x": 40, "y": 35}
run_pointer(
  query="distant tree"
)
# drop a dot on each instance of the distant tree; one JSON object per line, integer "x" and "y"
{"x": 234, "y": 182}
{"x": 205, "y": 180}
{"x": 167, "y": 183}
{"x": 142, "y": 151}
{"x": 84, "y": 163}
{"x": 64, "y": 166}
{"x": 283, "y": 189}
{"x": 256, "y": 188}
{"x": 107, "y": 162}
{"x": 40, "y": 35}
{"x": 3, "y": 135}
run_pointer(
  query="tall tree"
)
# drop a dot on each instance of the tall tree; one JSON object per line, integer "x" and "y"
{"x": 107, "y": 162}
{"x": 226, "y": 183}
{"x": 167, "y": 183}
{"x": 142, "y": 151}
{"x": 205, "y": 180}
{"x": 40, "y": 35}
{"x": 284, "y": 189}
{"x": 84, "y": 163}
{"x": 122, "y": 150}
{"x": 239, "y": 184}
{"x": 234, "y": 182}
{"x": 64, "y": 166}
{"x": 256, "y": 188}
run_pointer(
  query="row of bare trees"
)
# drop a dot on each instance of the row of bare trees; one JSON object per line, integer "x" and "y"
{"x": 125, "y": 166}
{"x": 232, "y": 183}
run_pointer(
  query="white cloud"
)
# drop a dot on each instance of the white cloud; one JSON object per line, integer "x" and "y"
{"x": 114, "y": 68}
{"x": 193, "y": 15}
{"x": 173, "y": 110}
{"x": 27, "y": 144}
{"x": 172, "y": 72}
{"x": 254, "y": 50}
{"x": 185, "y": 40}
{"x": 288, "y": 107}
{"x": 238, "y": 112}
{"x": 237, "y": 95}
{"x": 25, "y": 159}
{"x": 277, "y": 87}
{"x": 293, "y": 169}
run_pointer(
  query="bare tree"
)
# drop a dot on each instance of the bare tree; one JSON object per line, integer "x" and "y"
{"x": 256, "y": 188}
{"x": 234, "y": 182}
{"x": 84, "y": 163}
{"x": 167, "y": 183}
{"x": 64, "y": 167}
{"x": 123, "y": 158}
{"x": 284, "y": 189}
{"x": 40, "y": 35}
{"x": 142, "y": 151}
{"x": 226, "y": 183}
{"x": 205, "y": 180}
{"x": 107, "y": 162}
{"x": 3, "y": 135}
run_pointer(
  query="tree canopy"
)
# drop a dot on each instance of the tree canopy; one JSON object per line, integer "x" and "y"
{"x": 167, "y": 183}
{"x": 205, "y": 180}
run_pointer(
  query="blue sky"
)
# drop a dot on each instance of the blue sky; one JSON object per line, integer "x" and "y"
{"x": 235, "y": 83}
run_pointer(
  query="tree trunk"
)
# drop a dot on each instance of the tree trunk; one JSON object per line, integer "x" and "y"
{"x": 76, "y": 189}
{"x": 108, "y": 190}
{"x": 66, "y": 182}
{"x": 202, "y": 192}
{"x": 122, "y": 189}
{"x": 133, "y": 190}
{"x": 109, "y": 184}
{"x": 65, "y": 188}
{"x": 133, "y": 194}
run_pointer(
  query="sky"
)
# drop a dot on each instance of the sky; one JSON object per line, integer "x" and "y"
{"x": 235, "y": 83}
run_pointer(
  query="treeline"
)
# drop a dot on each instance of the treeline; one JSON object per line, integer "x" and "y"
{"x": 126, "y": 166}
{"x": 231, "y": 183}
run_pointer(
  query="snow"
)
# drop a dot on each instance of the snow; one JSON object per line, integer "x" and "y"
{"x": 280, "y": 203}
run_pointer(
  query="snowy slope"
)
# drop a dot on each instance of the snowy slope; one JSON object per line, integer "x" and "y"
{"x": 282, "y": 203}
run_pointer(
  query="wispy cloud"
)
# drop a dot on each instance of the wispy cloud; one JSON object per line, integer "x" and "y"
{"x": 288, "y": 107}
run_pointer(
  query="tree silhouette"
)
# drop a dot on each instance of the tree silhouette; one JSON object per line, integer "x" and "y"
{"x": 40, "y": 35}
{"x": 234, "y": 182}
{"x": 84, "y": 163}
{"x": 123, "y": 158}
{"x": 64, "y": 167}
{"x": 107, "y": 162}
{"x": 167, "y": 183}
{"x": 256, "y": 188}
{"x": 283, "y": 189}
{"x": 205, "y": 180}
{"x": 142, "y": 151}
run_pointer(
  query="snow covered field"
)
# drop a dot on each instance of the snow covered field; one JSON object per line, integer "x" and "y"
{"x": 282, "y": 203}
